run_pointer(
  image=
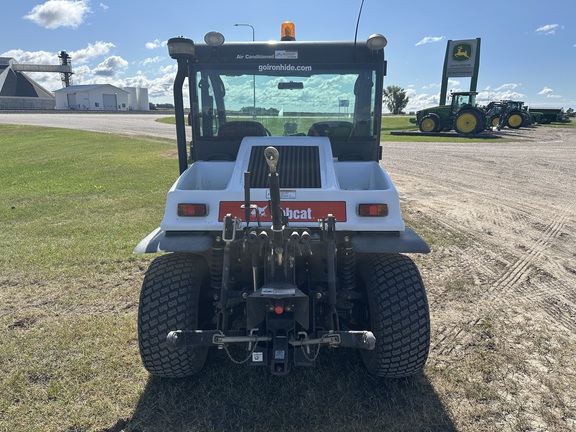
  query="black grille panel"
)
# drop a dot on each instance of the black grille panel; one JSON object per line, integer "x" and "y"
{"x": 298, "y": 167}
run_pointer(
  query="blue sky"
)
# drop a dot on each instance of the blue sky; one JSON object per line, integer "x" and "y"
{"x": 528, "y": 52}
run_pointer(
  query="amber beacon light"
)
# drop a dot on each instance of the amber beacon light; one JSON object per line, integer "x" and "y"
{"x": 288, "y": 32}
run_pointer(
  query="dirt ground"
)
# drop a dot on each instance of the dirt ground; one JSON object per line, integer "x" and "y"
{"x": 501, "y": 277}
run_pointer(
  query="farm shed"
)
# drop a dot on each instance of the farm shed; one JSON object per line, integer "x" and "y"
{"x": 93, "y": 97}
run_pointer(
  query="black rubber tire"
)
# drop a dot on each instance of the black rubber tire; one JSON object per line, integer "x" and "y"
{"x": 169, "y": 300}
{"x": 430, "y": 123}
{"x": 514, "y": 120}
{"x": 399, "y": 316}
{"x": 468, "y": 122}
{"x": 526, "y": 119}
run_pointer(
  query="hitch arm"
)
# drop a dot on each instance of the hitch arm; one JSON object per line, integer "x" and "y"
{"x": 345, "y": 339}
{"x": 208, "y": 338}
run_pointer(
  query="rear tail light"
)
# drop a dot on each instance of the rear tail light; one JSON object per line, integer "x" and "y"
{"x": 188, "y": 210}
{"x": 373, "y": 210}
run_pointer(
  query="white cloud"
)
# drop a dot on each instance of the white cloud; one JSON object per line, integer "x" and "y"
{"x": 549, "y": 93}
{"x": 91, "y": 52}
{"x": 168, "y": 69}
{"x": 486, "y": 96}
{"x": 418, "y": 101}
{"x": 110, "y": 67}
{"x": 32, "y": 57}
{"x": 160, "y": 87}
{"x": 430, "y": 86}
{"x": 507, "y": 86}
{"x": 151, "y": 60}
{"x": 156, "y": 44}
{"x": 59, "y": 13}
{"x": 104, "y": 7}
{"x": 507, "y": 91}
{"x": 548, "y": 29}
{"x": 430, "y": 39}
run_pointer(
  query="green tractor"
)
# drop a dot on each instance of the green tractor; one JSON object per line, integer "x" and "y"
{"x": 462, "y": 115}
{"x": 507, "y": 113}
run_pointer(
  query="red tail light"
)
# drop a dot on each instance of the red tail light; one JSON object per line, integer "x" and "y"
{"x": 373, "y": 210}
{"x": 188, "y": 210}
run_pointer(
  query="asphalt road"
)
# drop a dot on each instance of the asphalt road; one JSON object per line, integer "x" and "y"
{"x": 128, "y": 124}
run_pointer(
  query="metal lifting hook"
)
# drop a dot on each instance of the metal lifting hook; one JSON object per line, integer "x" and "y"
{"x": 272, "y": 156}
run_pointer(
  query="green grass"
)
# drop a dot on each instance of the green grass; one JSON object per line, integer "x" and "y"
{"x": 72, "y": 207}
{"x": 62, "y": 186}
{"x": 167, "y": 120}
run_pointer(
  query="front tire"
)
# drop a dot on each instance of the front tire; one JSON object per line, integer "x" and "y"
{"x": 399, "y": 316}
{"x": 169, "y": 300}
{"x": 430, "y": 123}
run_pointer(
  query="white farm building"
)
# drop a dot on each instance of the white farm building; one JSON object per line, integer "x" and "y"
{"x": 93, "y": 97}
{"x": 101, "y": 97}
{"x": 20, "y": 92}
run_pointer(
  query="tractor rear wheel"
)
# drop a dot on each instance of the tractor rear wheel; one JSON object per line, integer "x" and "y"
{"x": 526, "y": 119}
{"x": 514, "y": 120}
{"x": 468, "y": 122}
{"x": 430, "y": 123}
{"x": 399, "y": 316}
{"x": 169, "y": 300}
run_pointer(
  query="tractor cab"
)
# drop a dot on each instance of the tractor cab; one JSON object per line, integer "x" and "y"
{"x": 284, "y": 89}
{"x": 514, "y": 104}
{"x": 461, "y": 100}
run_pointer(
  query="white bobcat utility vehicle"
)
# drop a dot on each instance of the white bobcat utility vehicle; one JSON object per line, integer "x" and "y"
{"x": 282, "y": 236}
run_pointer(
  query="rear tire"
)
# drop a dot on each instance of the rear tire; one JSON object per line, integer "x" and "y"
{"x": 514, "y": 120}
{"x": 430, "y": 123}
{"x": 526, "y": 119}
{"x": 169, "y": 300}
{"x": 399, "y": 316}
{"x": 468, "y": 122}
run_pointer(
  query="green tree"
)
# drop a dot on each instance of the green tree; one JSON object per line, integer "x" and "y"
{"x": 395, "y": 99}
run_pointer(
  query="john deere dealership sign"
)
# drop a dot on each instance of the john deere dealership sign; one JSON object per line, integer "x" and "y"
{"x": 461, "y": 58}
